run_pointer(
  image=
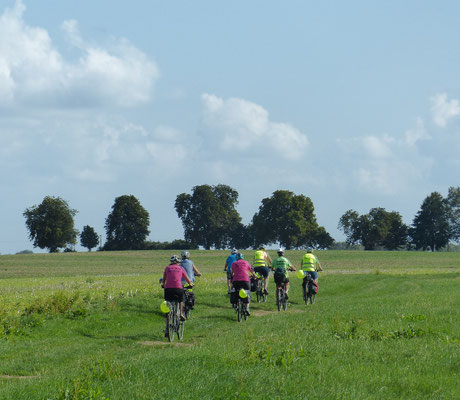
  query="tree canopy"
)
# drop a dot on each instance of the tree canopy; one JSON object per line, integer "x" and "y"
{"x": 431, "y": 228}
{"x": 290, "y": 220}
{"x": 89, "y": 238}
{"x": 378, "y": 228}
{"x": 208, "y": 215}
{"x": 127, "y": 225}
{"x": 51, "y": 224}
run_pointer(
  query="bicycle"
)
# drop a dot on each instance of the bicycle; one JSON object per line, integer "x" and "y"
{"x": 260, "y": 292}
{"x": 174, "y": 323}
{"x": 189, "y": 301}
{"x": 281, "y": 297}
{"x": 241, "y": 308}
{"x": 309, "y": 289}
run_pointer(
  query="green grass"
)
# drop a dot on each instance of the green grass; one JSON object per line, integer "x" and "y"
{"x": 88, "y": 326}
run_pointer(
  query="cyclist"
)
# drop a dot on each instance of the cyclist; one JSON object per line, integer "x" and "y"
{"x": 174, "y": 291}
{"x": 282, "y": 266}
{"x": 227, "y": 268}
{"x": 192, "y": 271}
{"x": 189, "y": 266}
{"x": 310, "y": 264}
{"x": 261, "y": 264}
{"x": 240, "y": 275}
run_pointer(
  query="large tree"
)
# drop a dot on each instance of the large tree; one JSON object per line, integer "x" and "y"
{"x": 288, "y": 219}
{"x": 453, "y": 202}
{"x": 127, "y": 225}
{"x": 51, "y": 224}
{"x": 377, "y": 228}
{"x": 208, "y": 215}
{"x": 431, "y": 228}
{"x": 88, "y": 237}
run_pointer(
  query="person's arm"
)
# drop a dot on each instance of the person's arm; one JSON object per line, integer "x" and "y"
{"x": 195, "y": 270}
{"x": 163, "y": 283}
{"x": 291, "y": 267}
{"x": 319, "y": 266}
{"x": 267, "y": 257}
{"x": 226, "y": 266}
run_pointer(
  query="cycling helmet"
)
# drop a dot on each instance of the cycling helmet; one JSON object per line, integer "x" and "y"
{"x": 309, "y": 249}
{"x": 185, "y": 254}
{"x": 174, "y": 259}
{"x": 280, "y": 251}
{"x": 240, "y": 256}
{"x": 234, "y": 251}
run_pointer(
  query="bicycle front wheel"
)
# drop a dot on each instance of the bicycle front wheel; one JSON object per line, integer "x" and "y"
{"x": 312, "y": 298}
{"x": 278, "y": 299}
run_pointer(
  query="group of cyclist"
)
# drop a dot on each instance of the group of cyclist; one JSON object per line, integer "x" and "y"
{"x": 238, "y": 270}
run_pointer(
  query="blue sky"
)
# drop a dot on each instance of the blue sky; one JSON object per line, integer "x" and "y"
{"x": 354, "y": 104}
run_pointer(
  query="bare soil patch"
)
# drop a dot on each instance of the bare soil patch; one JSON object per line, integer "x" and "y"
{"x": 159, "y": 343}
{"x": 18, "y": 377}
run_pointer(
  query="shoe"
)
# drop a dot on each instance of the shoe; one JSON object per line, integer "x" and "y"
{"x": 286, "y": 296}
{"x": 182, "y": 317}
{"x": 247, "y": 311}
{"x": 266, "y": 291}
{"x": 229, "y": 292}
{"x": 166, "y": 334}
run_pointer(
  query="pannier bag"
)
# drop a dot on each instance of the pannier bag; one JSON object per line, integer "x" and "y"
{"x": 253, "y": 284}
{"x": 190, "y": 299}
{"x": 233, "y": 297}
{"x": 313, "y": 287}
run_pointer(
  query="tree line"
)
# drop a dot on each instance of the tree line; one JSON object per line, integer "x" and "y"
{"x": 210, "y": 220}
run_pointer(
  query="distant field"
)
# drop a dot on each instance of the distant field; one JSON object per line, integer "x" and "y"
{"x": 386, "y": 325}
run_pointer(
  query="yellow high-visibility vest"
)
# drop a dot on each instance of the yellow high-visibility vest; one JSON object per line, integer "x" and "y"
{"x": 309, "y": 262}
{"x": 259, "y": 258}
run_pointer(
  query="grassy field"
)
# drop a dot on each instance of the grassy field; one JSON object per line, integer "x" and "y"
{"x": 385, "y": 325}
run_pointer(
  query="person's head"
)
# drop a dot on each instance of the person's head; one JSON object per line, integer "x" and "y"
{"x": 309, "y": 250}
{"x": 174, "y": 260}
{"x": 234, "y": 251}
{"x": 262, "y": 248}
{"x": 239, "y": 256}
{"x": 185, "y": 254}
{"x": 280, "y": 251}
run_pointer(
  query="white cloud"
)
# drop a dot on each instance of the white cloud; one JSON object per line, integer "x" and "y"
{"x": 32, "y": 71}
{"x": 412, "y": 136}
{"x": 245, "y": 126}
{"x": 386, "y": 164}
{"x": 443, "y": 110}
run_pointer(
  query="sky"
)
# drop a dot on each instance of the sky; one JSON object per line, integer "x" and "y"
{"x": 354, "y": 104}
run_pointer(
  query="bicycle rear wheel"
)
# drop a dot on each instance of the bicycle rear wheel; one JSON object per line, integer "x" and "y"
{"x": 171, "y": 326}
{"x": 245, "y": 311}
{"x": 278, "y": 298}
{"x": 312, "y": 298}
{"x": 180, "y": 330}
{"x": 239, "y": 310}
{"x": 285, "y": 302}
{"x": 187, "y": 311}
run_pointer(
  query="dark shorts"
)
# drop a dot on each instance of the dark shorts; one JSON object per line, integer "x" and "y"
{"x": 281, "y": 279}
{"x": 229, "y": 274}
{"x": 242, "y": 285}
{"x": 173, "y": 294}
{"x": 264, "y": 271}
